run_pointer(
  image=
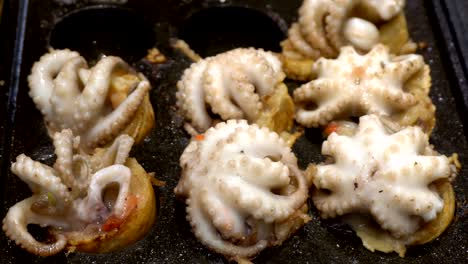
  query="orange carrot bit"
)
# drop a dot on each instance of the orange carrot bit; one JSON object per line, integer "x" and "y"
{"x": 131, "y": 204}
{"x": 330, "y": 128}
{"x": 200, "y": 137}
{"x": 114, "y": 221}
{"x": 111, "y": 223}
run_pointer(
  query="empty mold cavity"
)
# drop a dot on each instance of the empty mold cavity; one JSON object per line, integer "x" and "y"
{"x": 98, "y": 31}
{"x": 217, "y": 29}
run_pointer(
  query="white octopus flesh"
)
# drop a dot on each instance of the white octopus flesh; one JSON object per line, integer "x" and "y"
{"x": 71, "y": 95}
{"x": 231, "y": 84}
{"x": 324, "y": 26}
{"x": 386, "y": 174}
{"x": 233, "y": 181}
{"x": 68, "y": 196}
{"x": 354, "y": 85}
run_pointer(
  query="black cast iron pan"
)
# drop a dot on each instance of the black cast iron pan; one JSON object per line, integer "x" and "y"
{"x": 128, "y": 29}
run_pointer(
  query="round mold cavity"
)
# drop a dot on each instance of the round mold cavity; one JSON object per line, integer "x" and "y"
{"x": 217, "y": 29}
{"x": 104, "y": 30}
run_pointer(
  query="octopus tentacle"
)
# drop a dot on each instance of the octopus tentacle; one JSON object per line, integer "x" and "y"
{"x": 82, "y": 170}
{"x": 425, "y": 204}
{"x": 41, "y": 79}
{"x": 230, "y": 224}
{"x": 191, "y": 98}
{"x": 401, "y": 223}
{"x": 406, "y": 66}
{"x": 206, "y": 233}
{"x": 15, "y": 226}
{"x": 355, "y": 84}
{"x": 117, "y": 153}
{"x": 63, "y": 143}
{"x": 95, "y": 93}
{"x": 243, "y": 94}
{"x": 417, "y": 138}
{"x": 233, "y": 181}
{"x": 397, "y": 99}
{"x": 74, "y": 170}
{"x": 324, "y": 26}
{"x": 331, "y": 206}
{"x": 233, "y": 85}
{"x": 41, "y": 179}
{"x": 298, "y": 42}
{"x": 312, "y": 14}
{"x": 264, "y": 203}
{"x": 262, "y": 172}
{"x": 84, "y": 74}
{"x": 93, "y": 206}
{"x": 425, "y": 207}
{"x": 323, "y": 114}
{"x": 72, "y": 96}
{"x": 112, "y": 124}
{"x": 334, "y": 146}
{"x": 425, "y": 168}
{"x": 71, "y": 199}
{"x": 67, "y": 88}
{"x": 217, "y": 93}
{"x": 265, "y": 76}
{"x": 329, "y": 179}
{"x": 263, "y": 206}
{"x": 383, "y": 173}
{"x": 316, "y": 90}
{"x": 334, "y": 21}
{"x": 289, "y": 52}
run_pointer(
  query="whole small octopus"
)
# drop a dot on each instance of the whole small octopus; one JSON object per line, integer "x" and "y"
{"x": 97, "y": 103}
{"x": 374, "y": 83}
{"x": 75, "y": 199}
{"x": 324, "y": 26}
{"x": 232, "y": 85}
{"x": 243, "y": 189}
{"x": 387, "y": 174}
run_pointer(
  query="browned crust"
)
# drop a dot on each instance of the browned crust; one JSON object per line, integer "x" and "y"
{"x": 297, "y": 69}
{"x": 422, "y": 114}
{"x": 278, "y": 114}
{"x": 376, "y": 238}
{"x": 436, "y": 227}
{"x": 143, "y": 122}
{"x": 278, "y": 110}
{"x": 394, "y": 34}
